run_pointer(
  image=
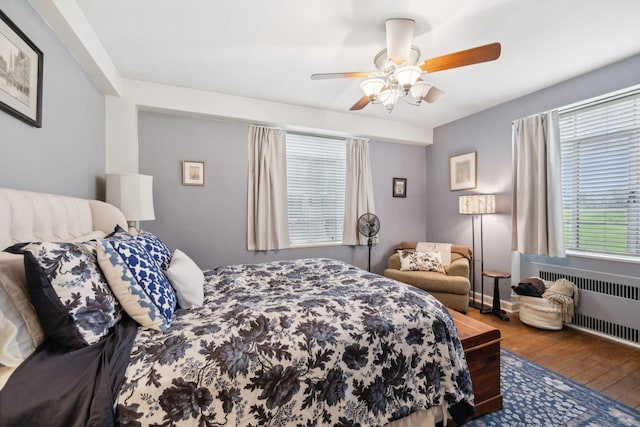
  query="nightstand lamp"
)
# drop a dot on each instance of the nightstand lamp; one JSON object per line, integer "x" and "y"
{"x": 133, "y": 195}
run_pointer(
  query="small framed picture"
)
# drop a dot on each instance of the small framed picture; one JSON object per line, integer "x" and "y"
{"x": 192, "y": 172}
{"x": 462, "y": 172}
{"x": 20, "y": 74}
{"x": 399, "y": 187}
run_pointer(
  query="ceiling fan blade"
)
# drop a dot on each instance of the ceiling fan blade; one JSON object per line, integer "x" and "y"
{"x": 362, "y": 102}
{"x": 399, "y": 36}
{"x": 323, "y": 76}
{"x": 433, "y": 95}
{"x": 462, "y": 58}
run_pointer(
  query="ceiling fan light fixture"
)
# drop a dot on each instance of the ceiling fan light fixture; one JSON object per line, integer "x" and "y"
{"x": 384, "y": 64}
{"x": 407, "y": 76}
{"x": 398, "y": 74}
{"x": 372, "y": 87}
{"x": 419, "y": 90}
{"x": 433, "y": 95}
{"x": 388, "y": 97}
{"x": 399, "y": 35}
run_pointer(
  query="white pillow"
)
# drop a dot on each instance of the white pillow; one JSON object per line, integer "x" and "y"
{"x": 5, "y": 373}
{"x": 187, "y": 280}
{"x": 20, "y": 330}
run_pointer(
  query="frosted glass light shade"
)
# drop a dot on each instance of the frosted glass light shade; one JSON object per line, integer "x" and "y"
{"x": 389, "y": 97}
{"x": 407, "y": 76}
{"x": 399, "y": 35}
{"x": 372, "y": 86}
{"x": 132, "y": 194}
{"x": 477, "y": 204}
{"x": 419, "y": 90}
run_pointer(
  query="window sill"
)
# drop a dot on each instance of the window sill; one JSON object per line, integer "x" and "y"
{"x": 314, "y": 245}
{"x": 606, "y": 257}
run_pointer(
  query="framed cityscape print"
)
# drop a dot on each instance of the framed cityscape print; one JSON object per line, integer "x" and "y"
{"x": 20, "y": 74}
{"x": 399, "y": 187}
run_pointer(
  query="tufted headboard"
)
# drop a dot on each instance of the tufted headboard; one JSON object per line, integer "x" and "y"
{"x": 27, "y": 216}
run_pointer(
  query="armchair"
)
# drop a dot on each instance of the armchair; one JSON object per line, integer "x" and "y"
{"x": 451, "y": 287}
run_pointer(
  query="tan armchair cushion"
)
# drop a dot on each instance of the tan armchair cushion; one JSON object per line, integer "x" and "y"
{"x": 431, "y": 281}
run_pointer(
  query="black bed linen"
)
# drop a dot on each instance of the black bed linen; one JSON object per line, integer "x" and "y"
{"x": 54, "y": 387}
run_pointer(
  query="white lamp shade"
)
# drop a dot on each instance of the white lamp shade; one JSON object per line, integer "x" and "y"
{"x": 433, "y": 95}
{"x": 407, "y": 76}
{"x": 389, "y": 97}
{"x": 372, "y": 86}
{"x": 399, "y": 36}
{"x": 132, "y": 194}
{"x": 477, "y": 204}
{"x": 419, "y": 90}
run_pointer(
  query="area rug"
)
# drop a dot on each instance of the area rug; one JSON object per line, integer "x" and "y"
{"x": 535, "y": 396}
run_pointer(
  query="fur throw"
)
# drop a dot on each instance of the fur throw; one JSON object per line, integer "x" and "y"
{"x": 565, "y": 294}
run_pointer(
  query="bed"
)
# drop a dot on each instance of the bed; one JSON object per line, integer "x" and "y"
{"x": 297, "y": 342}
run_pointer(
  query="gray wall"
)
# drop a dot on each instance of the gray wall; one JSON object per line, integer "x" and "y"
{"x": 489, "y": 133}
{"x": 66, "y": 155}
{"x": 210, "y": 223}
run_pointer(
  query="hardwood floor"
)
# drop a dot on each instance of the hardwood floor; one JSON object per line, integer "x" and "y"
{"x": 605, "y": 366}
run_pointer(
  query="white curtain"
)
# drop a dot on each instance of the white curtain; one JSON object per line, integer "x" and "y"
{"x": 359, "y": 191}
{"x": 537, "y": 188}
{"x": 267, "y": 226}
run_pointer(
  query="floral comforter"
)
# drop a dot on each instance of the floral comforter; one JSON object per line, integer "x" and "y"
{"x": 301, "y": 343}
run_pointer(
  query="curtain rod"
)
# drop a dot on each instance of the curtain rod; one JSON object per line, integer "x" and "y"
{"x": 303, "y": 133}
{"x": 622, "y": 93}
{"x": 318, "y": 135}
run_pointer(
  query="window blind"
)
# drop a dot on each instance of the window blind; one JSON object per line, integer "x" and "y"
{"x": 316, "y": 179}
{"x": 600, "y": 149}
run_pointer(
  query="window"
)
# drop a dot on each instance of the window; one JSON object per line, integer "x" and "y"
{"x": 316, "y": 180}
{"x": 600, "y": 146}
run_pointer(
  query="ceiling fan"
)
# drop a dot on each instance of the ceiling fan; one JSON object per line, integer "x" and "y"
{"x": 399, "y": 75}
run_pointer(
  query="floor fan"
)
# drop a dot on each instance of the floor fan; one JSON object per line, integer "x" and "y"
{"x": 369, "y": 226}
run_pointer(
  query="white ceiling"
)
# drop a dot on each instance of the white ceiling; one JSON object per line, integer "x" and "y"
{"x": 268, "y": 49}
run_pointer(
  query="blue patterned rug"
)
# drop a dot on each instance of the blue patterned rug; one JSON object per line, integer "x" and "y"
{"x": 535, "y": 396}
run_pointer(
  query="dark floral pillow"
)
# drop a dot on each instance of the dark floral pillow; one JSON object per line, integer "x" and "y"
{"x": 151, "y": 243}
{"x": 69, "y": 292}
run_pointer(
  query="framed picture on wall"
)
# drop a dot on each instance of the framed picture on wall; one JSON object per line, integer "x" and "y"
{"x": 462, "y": 172}
{"x": 192, "y": 172}
{"x": 20, "y": 74}
{"x": 399, "y": 187}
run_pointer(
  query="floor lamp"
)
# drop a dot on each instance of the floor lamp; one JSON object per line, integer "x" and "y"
{"x": 476, "y": 204}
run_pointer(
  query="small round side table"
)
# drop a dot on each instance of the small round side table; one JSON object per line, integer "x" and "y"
{"x": 495, "y": 309}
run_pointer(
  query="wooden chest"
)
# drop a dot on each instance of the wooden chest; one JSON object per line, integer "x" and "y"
{"x": 481, "y": 344}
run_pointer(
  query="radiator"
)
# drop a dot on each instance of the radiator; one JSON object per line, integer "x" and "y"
{"x": 609, "y": 304}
